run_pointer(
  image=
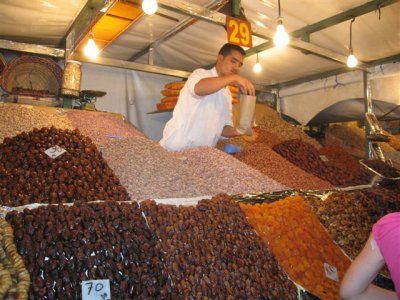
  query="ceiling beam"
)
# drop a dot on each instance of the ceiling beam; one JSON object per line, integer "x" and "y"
{"x": 214, "y": 17}
{"x": 372, "y": 63}
{"x": 176, "y": 29}
{"x": 131, "y": 66}
{"x": 328, "y": 22}
{"x": 31, "y": 48}
{"x": 89, "y": 14}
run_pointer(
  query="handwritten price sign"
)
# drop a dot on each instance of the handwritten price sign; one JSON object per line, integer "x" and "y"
{"x": 55, "y": 151}
{"x": 239, "y": 32}
{"x": 96, "y": 290}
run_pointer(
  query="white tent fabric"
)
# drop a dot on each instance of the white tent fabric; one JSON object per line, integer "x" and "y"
{"x": 317, "y": 95}
{"x": 130, "y": 93}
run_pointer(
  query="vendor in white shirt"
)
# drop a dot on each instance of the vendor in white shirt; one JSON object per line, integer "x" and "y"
{"x": 204, "y": 110}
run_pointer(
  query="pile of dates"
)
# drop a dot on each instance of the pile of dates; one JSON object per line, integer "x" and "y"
{"x": 65, "y": 245}
{"x": 212, "y": 252}
{"x": 28, "y": 175}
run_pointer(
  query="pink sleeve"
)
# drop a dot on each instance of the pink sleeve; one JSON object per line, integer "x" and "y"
{"x": 386, "y": 233}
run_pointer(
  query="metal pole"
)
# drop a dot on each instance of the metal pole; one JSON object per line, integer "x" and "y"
{"x": 368, "y": 108}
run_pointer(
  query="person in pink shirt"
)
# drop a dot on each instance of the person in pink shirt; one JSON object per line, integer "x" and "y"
{"x": 382, "y": 247}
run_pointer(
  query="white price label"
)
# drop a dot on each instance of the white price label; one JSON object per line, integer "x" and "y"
{"x": 96, "y": 289}
{"x": 323, "y": 158}
{"x": 331, "y": 272}
{"x": 55, "y": 151}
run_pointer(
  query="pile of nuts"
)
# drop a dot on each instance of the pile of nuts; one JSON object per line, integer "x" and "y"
{"x": 270, "y": 120}
{"x": 23, "y": 118}
{"x": 301, "y": 245}
{"x": 213, "y": 252}
{"x": 14, "y": 278}
{"x": 102, "y": 127}
{"x": 147, "y": 170}
{"x": 28, "y": 175}
{"x": 65, "y": 245}
{"x": 346, "y": 220}
{"x": 225, "y": 173}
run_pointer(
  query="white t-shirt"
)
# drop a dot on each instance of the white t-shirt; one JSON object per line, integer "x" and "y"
{"x": 198, "y": 120}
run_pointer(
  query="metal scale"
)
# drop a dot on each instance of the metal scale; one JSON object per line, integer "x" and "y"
{"x": 87, "y": 98}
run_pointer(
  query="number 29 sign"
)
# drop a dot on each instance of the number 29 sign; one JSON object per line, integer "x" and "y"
{"x": 239, "y": 32}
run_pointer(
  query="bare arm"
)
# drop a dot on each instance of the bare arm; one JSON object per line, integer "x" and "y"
{"x": 210, "y": 85}
{"x": 356, "y": 284}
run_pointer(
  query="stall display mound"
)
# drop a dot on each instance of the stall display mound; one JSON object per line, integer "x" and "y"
{"x": 352, "y": 139}
{"x": 269, "y": 119}
{"x": 101, "y": 127}
{"x": 212, "y": 251}
{"x": 300, "y": 244}
{"x": 345, "y": 218}
{"x": 29, "y": 173}
{"x": 225, "y": 173}
{"x": 147, "y": 170}
{"x": 65, "y": 245}
{"x": 308, "y": 158}
{"x": 16, "y": 118}
{"x": 261, "y": 157}
{"x": 260, "y": 135}
{"x": 14, "y": 277}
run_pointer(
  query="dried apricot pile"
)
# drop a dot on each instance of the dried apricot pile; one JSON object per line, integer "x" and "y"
{"x": 300, "y": 244}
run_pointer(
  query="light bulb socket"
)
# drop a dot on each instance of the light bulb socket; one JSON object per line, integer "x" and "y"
{"x": 350, "y": 51}
{"x": 279, "y": 20}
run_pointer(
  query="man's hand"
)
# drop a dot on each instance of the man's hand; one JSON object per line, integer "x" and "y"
{"x": 245, "y": 85}
{"x": 229, "y": 132}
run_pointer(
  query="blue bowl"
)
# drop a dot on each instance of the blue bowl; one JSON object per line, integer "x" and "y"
{"x": 231, "y": 149}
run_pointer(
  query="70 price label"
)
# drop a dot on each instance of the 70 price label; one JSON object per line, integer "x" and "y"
{"x": 239, "y": 32}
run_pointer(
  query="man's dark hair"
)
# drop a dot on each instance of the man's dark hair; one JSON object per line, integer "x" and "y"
{"x": 228, "y": 48}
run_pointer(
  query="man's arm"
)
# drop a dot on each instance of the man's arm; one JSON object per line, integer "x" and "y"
{"x": 210, "y": 85}
{"x": 230, "y": 131}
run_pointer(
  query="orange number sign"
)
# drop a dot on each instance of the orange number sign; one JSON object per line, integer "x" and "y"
{"x": 239, "y": 32}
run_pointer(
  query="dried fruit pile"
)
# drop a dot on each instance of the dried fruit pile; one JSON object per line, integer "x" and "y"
{"x": 28, "y": 175}
{"x": 300, "y": 244}
{"x": 346, "y": 220}
{"x": 268, "y": 162}
{"x": 102, "y": 127}
{"x": 14, "y": 278}
{"x": 212, "y": 251}
{"x": 306, "y": 157}
{"x": 62, "y": 246}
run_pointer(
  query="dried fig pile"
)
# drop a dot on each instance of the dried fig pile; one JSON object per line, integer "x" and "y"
{"x": 28, "y": 175}
{"x": 300, "y": 243}
{"x": 346, "y": 219}
{"x": 62, "y": 246}
{"x": 213, "y": 252}
{"x": 14, "y": 278}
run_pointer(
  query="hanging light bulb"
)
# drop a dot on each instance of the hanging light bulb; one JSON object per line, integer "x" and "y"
{"x": 257, "y": 66}
{"x": 281, "y": 38}
{"x": 91, "y": 49}
{"x": 351, "y": 59}
{"x": 149, "y": 6}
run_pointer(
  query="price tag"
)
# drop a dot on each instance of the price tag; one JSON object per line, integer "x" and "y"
{"x": 55, "y": 151}
{"x": 96, "y": 289}
{"x": 239, "y": 32}
{"x": 323, "y": 158}
{"x": 331, "y": 272}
